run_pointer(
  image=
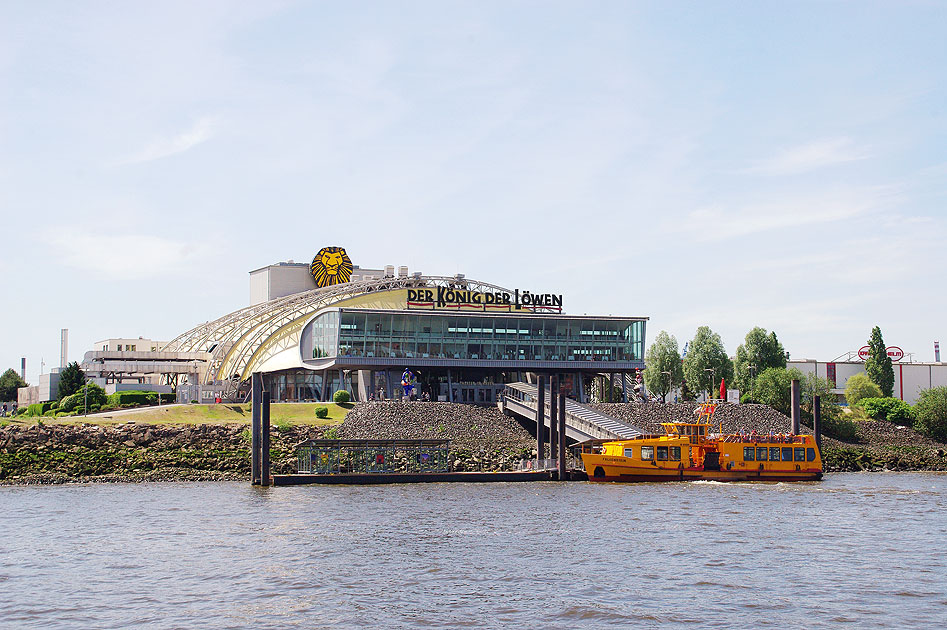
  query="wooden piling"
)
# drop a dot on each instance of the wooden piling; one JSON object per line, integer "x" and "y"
{"x": 256, "y": 390}
{"x": 553, "y": 416}
{"x": 541, "y": 417}
{"x": 817, "y": 421}
{"x": 563, "y": 472}
{"x": 265, "y": 441}
{"x": 796, "y": 411}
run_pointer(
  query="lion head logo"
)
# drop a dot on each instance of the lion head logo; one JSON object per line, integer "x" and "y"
{"x": 331, "y": 266}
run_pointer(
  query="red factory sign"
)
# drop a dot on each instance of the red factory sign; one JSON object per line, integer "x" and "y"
{"x": 894, "y": 352}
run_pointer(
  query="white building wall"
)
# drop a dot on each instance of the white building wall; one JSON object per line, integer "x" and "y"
{"x": 910, "y": 379}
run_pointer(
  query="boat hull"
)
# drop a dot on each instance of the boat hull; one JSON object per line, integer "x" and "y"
{"x": 605, "y": 469}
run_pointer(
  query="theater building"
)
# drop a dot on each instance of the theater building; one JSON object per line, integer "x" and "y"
{"x": 312, "y": 329}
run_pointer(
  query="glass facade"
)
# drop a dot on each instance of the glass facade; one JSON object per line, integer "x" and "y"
{"x": 396, "y": 334}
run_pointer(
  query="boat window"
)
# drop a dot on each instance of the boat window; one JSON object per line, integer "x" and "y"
{"x": 647, "y": 452}
{"x": 630, "y": 451}
{"x": 787, "y": 453}
{"x": 662, "y": 453}
{"x": 810, "y": 454}
{"x": 774, "y": 453}
{"x": 700, "y": 430}
{"x": 761, "y": 453}
{"x": 675, "y": 453}
{"x": 800, "y": 454}
{"x": 749, "y": 453}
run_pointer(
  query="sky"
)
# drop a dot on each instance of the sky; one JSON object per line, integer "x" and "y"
{"x": 728, "y": 164}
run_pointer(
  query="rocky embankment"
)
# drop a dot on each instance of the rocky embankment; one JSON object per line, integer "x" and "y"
{"x": 129, "y": 452}
{"x": 481, "y": 438}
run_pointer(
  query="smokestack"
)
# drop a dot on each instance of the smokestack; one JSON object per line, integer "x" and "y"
{"x": 64, "y": 348}
{"x": 936, "y": 352}
{"x": 23, "y": 368}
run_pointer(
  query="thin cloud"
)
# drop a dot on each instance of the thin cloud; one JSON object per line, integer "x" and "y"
{"x": 809, "y": 157}
{"x": 202, "y": 131}
{"x": 126, "y": 256}
{"x": 715, "y": 223}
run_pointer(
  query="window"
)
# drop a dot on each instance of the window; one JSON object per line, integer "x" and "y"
{"x": 749, "y": 453}
{"x": 761, "y": 453}
{"x": 675, "y": 453}
{"x": 119, "y": 347}
{"x": 800, "y": 454}
{"x": 630, "y": 452}
{"x": 647, "y": 452}
{"x": 810, "y": 454}
{"x": 774, "y": 453}
{"x": 662, "y": 453}
{"x": 787, "y": 453}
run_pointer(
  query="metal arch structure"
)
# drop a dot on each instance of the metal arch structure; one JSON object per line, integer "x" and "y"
{"x": 244, "y": 340}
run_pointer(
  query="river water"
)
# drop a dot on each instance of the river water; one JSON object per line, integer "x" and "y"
{"x": 855, "y": 550}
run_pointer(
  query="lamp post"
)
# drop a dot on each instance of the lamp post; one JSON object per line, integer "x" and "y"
{"x": 713, "y": 378}
{"x": 665, "y": 396}
{"x": 752, "y": 368}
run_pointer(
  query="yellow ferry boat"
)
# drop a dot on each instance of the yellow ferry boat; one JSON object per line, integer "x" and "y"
{"x": 689, "y": 451}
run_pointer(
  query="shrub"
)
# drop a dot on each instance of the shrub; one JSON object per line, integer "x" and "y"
{"x": 890, "y": 409}
{"x": 840, "y": 428}
{"x": 931, "y": 413}
{"x": 858, "y": 387}
{"x": 282, "y": 425}
{"x": 322, "y": 412}
{"x": 341, "y": 396}
{"x": 136, "y": 397}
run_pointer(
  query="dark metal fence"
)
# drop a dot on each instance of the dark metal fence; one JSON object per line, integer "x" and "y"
{"x": 336, "y": 457}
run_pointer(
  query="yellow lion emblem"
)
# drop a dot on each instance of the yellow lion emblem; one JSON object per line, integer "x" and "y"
{"x": 331, "y": 266}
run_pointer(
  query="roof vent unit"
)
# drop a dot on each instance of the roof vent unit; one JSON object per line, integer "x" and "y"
{"x": 403, "y": 271}
{"x": 389, "y": 271}
{"x": 459, "y": 276}
{"x": 417, "y": 275}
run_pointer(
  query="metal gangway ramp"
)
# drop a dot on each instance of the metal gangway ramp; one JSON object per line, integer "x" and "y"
{"x": 582, "y": 423}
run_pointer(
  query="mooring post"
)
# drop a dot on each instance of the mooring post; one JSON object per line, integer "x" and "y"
{"x": 265, "y": 441}
{"x": 553, "y": 416}
{"x": 795, "y": 406}
{"x": 256, "y": 390}
{"x": 817, "y": 421}
{"x": 540, "y": 418}
{"x": 563, "y": 473}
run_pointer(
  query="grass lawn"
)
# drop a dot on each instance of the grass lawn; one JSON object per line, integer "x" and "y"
{"x": 293, "y": 413}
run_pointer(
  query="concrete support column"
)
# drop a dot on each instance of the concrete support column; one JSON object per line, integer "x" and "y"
{"x": 796, "y": 411}
{"x": 325, "y": 384}
{"x": 624, "y": 387}
{"x": 450, "y": 387}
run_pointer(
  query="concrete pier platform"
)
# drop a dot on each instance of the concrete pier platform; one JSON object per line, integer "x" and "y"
{"x": 388, "y": 478}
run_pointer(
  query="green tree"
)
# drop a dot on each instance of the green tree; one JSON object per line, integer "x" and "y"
{"x": 859, "y": 386}
{"x": 759, "y": 351}
{"x": 9, "y": 382}
{"x": 70, "y": 380}
{"x": 707, "y": 362}
{"x": 811, "y": 386}
{"x": 878, "y": 364}
{"x": 930, "y": 413}
{"x": 773, "y": 387}
{"x": 663, "y": 371}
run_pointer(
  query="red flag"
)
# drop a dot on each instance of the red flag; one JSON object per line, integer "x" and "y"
{"x": 723, "y": 390}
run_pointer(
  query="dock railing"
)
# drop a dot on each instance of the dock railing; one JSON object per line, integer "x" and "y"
{"x": 336, "y": 457}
